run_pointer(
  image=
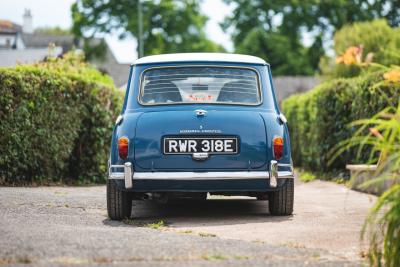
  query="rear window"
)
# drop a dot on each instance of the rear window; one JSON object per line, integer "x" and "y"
{"x": 181, "y": 85}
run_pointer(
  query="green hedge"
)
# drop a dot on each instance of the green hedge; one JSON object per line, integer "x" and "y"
{"x": 56, "y": 122}
{"x": 318, "y": 120}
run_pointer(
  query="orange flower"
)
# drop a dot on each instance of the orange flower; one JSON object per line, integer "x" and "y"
{"x": 351, "y": 56}
{"x": 375, "y": 132}
{"x": 392, "y": 75}
{"x": 339, "y": 60}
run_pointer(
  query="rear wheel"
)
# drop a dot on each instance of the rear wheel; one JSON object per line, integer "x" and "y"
{"x": 281, "y": 201}
{"x": 119, "y": 203}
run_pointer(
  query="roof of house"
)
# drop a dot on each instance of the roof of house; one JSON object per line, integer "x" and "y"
{"x": 38, "y": 40}
{"x": 200, "y": 57}
{"x": 7, "y": 26}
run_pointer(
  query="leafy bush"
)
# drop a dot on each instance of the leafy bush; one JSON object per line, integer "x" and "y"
{"x": 56, "y": 119}
{"x": 382, "y": 226}
{"x": 318, "y": 119}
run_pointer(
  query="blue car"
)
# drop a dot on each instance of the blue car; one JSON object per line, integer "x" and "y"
{"x": 196, "y": 124}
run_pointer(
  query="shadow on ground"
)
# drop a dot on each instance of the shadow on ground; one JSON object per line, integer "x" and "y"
{"x": 204, "y": 213}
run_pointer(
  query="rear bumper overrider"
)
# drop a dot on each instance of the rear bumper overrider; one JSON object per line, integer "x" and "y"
{"x": 126, "y": 172}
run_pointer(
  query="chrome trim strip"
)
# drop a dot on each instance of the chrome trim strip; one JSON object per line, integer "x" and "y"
{"x": 282, "y": 118}
{"x": 285, "y": 174}
{"x": 119, "y": 119}
{"x": 199, "y": 175}
{"x": 128, "y": 175}
{"x": 116, "y": 176}
{"x": 140, "y": 93}
{"x": 284, "y": 164}
{"x": 273, "y": 173}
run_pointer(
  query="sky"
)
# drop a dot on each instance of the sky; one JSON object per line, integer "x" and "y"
{"x": 57, "y": 13}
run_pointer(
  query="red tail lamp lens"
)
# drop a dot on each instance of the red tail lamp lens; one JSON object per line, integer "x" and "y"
{"x": 278, "y": 147}
{"x": 123, "y": 144}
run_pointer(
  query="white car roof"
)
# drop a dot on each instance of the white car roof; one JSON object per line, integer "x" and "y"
{"x": 201, "y": 57}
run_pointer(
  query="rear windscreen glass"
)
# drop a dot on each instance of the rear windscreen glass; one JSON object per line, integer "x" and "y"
{"x": 200, "y": 85}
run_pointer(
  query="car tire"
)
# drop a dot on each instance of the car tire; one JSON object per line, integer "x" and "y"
{"x": 119, "y": 203}
{"x": 281, "y": 201}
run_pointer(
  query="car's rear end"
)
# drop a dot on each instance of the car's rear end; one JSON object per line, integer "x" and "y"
{"x": 196, "y": 124}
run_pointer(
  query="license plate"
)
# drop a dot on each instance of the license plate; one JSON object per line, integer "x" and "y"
{"x": 190, "y": 145}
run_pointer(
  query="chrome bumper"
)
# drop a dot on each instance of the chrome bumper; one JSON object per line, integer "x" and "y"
{"x": 129, "y": 176}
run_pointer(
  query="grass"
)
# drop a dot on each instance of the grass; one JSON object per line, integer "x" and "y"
{"x": 214, "y": 257}
{"x": 207, "y": 235}
{"x": 17, "y": 260}
{"x": 153, "y": 225}
{"x": 129, "y": 221}
{"x": 290, "y": 244}
{"x": 241, "y": 257}
{"x": 316, "y": 255}
{"x": 165, "y": 258}
{"x": 186, "y": 232}
{"x": 306, "y": 176}
{"x": 156, "y": 225}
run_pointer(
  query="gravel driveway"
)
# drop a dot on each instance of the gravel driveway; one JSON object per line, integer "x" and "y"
{"x": 56, "y": 226}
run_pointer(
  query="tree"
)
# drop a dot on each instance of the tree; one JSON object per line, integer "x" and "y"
{"x": 293, "y": 19}
{"x": 277, "y": 49}
{"x": 168, "y": 26}
{"x": 52, "y": 31}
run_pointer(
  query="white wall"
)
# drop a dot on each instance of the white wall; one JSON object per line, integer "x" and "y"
{"x": 10, "y": 57}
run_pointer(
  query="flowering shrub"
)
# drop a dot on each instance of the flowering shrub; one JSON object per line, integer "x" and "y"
{"x": 392, "y": 75}
{"x": 358, "y": 44}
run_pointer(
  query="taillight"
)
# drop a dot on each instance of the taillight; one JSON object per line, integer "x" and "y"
{"x": 278, "y": 147}
{"x": 123, "y": 144}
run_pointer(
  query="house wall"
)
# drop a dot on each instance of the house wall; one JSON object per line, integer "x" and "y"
{"x": 11, "y": 57}
{"x": 10, "y": 39}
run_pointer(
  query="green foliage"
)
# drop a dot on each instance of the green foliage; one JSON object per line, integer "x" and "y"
{"x": 291, "y": 20}
{"x": 384, "y": 229}
{"x": 377, "y": 38}
{"x": 277, "y": 49}
{"x": 168, "y": 26}
{"x": 383, "y": 224}
{"x": 52, "y": 31}
{"x": 306, "y": 176}
{"x": 56, "y": 117}
{"x": 318, "y": 119}
{"x": 94, "y": 50}
{"x": 156, "y": 225}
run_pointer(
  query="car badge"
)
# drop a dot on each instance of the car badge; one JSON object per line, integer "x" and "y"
{"x": 200, "y": 156}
